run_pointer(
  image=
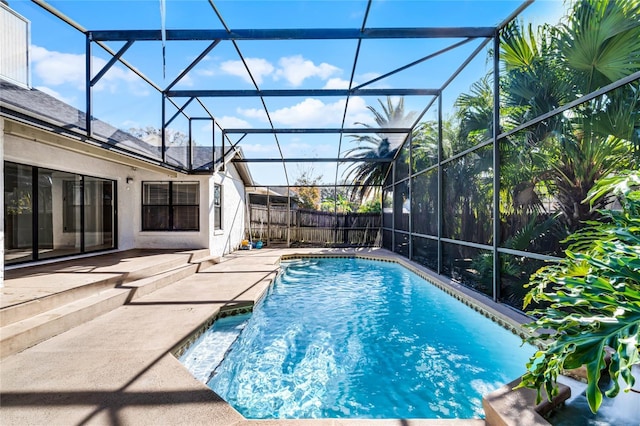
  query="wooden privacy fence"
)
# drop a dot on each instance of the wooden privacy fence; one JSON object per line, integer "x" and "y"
{"x": 279, "y": 225}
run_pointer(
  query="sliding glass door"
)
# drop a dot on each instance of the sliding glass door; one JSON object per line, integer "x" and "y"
{"x": 58, "y": 229}
{"x": 73, "y": 213}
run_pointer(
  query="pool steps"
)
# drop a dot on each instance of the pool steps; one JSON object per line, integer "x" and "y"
{"x": 26, "y": 324}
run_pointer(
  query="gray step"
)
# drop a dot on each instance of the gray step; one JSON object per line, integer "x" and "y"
{"x": 208, "y": 261}
{"x": 198, "y": 255}
{"x": 28, "y": 332}
{"x": 21, "y": 311}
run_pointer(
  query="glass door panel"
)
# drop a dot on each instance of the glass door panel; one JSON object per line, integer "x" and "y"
{"x": 58, "y": 234}
{"x": 18, "y": 213}
{"x": 98, "y": 214}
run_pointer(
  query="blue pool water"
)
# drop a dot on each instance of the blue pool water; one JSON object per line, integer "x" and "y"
{"x": 354, "y": 338}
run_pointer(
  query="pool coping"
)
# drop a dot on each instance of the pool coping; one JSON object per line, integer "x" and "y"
{"x": 503, "y": 407}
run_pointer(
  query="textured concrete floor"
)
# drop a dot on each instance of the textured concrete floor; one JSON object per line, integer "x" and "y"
{"x": 118, "y": 368}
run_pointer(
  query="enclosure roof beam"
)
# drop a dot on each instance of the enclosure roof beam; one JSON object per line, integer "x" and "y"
{"x": 300, "y": 92}
{"x": 55, "y": 12}
{"x": 314, "y": 160}
{"x": 293, "y": 34}
{"x": 317, "y": 185}
{"x": 111, "y": 62}
{"x": 321, "y": 130}
{"x": 195, "y": 62}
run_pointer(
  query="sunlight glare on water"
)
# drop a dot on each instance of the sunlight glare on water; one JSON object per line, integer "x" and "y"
{"x": 354, "y": 338}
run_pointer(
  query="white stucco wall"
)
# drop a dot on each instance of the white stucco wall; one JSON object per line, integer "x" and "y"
{"x": 156, "y": 239}
{"x": 228, "y": 239}
{"x": 30, "y": 152}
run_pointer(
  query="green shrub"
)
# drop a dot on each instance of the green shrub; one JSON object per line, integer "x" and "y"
{"x": 591, "y": 299}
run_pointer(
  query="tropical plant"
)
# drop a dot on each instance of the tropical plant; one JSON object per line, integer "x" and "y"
{"x": 534, "y": 80}
{"x": 424, "y": 145}
{"x": 532, "y": 84}
{"x": 598, "y": 43}
{"x": 575, "y": 159}
{"x": 371, "y": 206}
{"x": 475, "y": 110}
{"x": 307, "y": 189}
{"x": 590, "y": 301}
{"x": 369, "y": 176}
{"x": 339, "y": 203}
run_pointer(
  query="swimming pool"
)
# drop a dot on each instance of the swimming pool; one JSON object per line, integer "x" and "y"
{"x": 355, "y": 338}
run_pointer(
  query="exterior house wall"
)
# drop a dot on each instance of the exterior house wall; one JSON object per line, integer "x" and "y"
{"x": 160, "y": 239}
{"x": 228, "y": 239}
{"x": 129, "y": 194}
{"x": 2, "y": 200}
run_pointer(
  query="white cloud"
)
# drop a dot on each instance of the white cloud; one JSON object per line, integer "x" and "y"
{"x": 259, "y": 69}
{"x": 255, "y": 113}
{"x": 309, "y": 150}
{"x": 185, "y": 81}
{"x": 57, "y": 69}
{"x": 336, "y": 83}
{"x": 369, "y": 76}
{"x": 310, "y": 112}
{"x": 227, "y": 122}
{"x": 230, "y": 122}
{"x": 208, "y": 66}
{"x": 208, "y": 72}
{"x": 258, "y": 148}
{"x": 358, "y": 113}
{"x": 297, "y": 148}
{"x": 293, "y": 69}
{"x": 296, "y": 69}
{"x": 315, "y": 113}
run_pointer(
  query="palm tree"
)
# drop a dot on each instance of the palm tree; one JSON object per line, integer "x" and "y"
{"x": 598, "y": 44}
{"x": 475, "y": 114}
{"x": 369, "y": 176}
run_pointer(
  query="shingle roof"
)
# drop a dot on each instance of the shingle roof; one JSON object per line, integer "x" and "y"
{"x": 36, "y": 105}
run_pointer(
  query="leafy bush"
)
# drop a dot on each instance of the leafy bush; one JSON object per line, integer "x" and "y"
{"x": 371, "y": 206}
{"x": 591, "y": 299}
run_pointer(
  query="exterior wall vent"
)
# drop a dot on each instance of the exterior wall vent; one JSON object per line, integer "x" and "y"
{"x": 14, "y": 47}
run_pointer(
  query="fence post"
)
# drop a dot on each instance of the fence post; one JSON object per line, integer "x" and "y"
{"x": 288, "y": 218}
{"x": 345, "y": 230}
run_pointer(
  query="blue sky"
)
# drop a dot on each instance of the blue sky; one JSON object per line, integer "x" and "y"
{"x": 124, "y": 100}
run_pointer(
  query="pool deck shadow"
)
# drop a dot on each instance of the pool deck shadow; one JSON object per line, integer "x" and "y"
{"x": 119, "y": 368}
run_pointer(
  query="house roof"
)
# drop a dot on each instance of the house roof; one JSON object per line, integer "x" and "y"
{"x": 33, "y": 106}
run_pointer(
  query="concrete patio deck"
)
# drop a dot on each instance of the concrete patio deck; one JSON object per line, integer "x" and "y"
{"x": 119, "y": 369}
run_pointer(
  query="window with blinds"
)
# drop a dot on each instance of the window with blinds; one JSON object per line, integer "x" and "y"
{"x": 170, "y": 206}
